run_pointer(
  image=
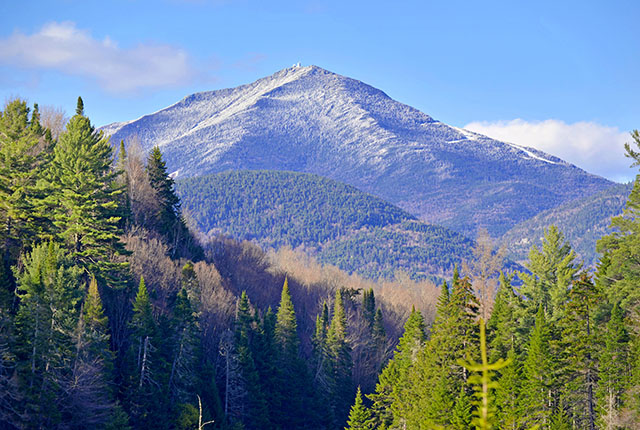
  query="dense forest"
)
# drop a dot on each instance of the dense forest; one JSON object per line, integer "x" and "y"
{"x": 113, "y": 315}
{"x": 337, "y": 223}
{"x": 583, "y": 221}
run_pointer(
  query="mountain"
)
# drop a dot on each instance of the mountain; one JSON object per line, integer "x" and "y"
{"x": 338, "y": 223}
{"x": 308, "y": 119}
{"x": 582, "y": 221}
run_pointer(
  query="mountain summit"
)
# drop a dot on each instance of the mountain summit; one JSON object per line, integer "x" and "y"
{"x": 311, "y": 120}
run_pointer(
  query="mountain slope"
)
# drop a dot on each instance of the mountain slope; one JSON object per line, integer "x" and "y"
{"x": 338, "y": 223}
{"x": 582, "y": 221}
{"x": 310, "y": 120}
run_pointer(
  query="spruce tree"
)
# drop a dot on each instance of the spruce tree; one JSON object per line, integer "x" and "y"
{"x": 185, "y": 344}
{"x": 503, "y": 322}
{"x": 613, "y": 368}
{"x": 393, "y": 380}
{"x": 256, "y": 414}
{"x": 359, "y": 415}
{"x": 535, "y": 405}
{"x": 339, "y": 360}
{"x": 50, "y": 294}
{"x": 168, "y": 219}
{"x": 461, "y": 412}
{"x": 143, "y": 388}
{"x": 507, "y": 393}
{"x": 293, "y": 381}
{"x": 579, "y": 351}
{"x": 88, "y": 394}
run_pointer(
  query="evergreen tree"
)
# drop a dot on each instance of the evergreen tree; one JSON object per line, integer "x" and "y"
{"x": 368, "y": 306}
{"x": 144, "y": 390}
{"x": 256, "y": 414}
{"x": 618, "y": 273}
{"x": 186, "y": 349}
{"x": 169, "y": 221}
{"x": 88, "y": 395}
{"x": 613, "y": 368}
{"x": 392, "y": 382}
{"x": 339, "y": 359}
{"x": 579, "y": 349}
{"x": 501, "y": 325}
{"x": 24, "y": 153}
{"x": 84, "y": 200}
{"x": 508, "y": 392}
{"x": 552, "y": 269}
{"x": 461, "y": 412}
{"x": 293, "y": 381}
{"x": 535, "y": 399}
{"x": 438, "y": 371}
{"x": 359, "y": 415}
{"x": 286, "y": 331}
{"x": 50, "y": 295}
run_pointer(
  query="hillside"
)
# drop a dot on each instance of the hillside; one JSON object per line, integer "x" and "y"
{"x": 583, "y": 221}
{"x": 338, "y": 223}
{"x": 308, "y": 119}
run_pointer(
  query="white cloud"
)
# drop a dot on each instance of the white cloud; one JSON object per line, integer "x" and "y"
{"x": 65, "y": 48}
{"x": 593, "y": 147}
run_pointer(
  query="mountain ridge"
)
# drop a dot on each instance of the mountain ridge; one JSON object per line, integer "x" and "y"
{"x": 308, "y": 119}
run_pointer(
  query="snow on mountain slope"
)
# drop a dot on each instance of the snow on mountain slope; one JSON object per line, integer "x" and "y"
{"x": 311, "y": 120}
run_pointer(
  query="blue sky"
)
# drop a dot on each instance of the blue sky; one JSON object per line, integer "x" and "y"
{"x": 558, "y": 75}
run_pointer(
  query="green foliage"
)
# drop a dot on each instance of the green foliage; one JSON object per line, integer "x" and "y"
{"x": 350, "y": 229}
{"x": 24, "y": 153}
{"x": 583, "y": 221}
{"x": 84, "y": 200}
{"x": 552, "y": 269}
{"x": 359, "y": 415}
{"x": 614, "y": 366}
{"x": 619, "y": 274}
{"x": 537, "y": 375}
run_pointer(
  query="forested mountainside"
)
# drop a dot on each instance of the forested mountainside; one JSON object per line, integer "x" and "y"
{"x": 308, "y": 119}
{"x": 113, "y": 316}
{"x": 583, "y": 221}
{"x": 337, "y": 223}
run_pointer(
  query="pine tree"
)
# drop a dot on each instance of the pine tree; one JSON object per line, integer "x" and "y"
{"x": 84, "y": 200}
{"x": 552, "y": 268}
{"x": 359, "y": 415}
{"x": 618, "y": 273}
{"x": 24, "y": 154}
